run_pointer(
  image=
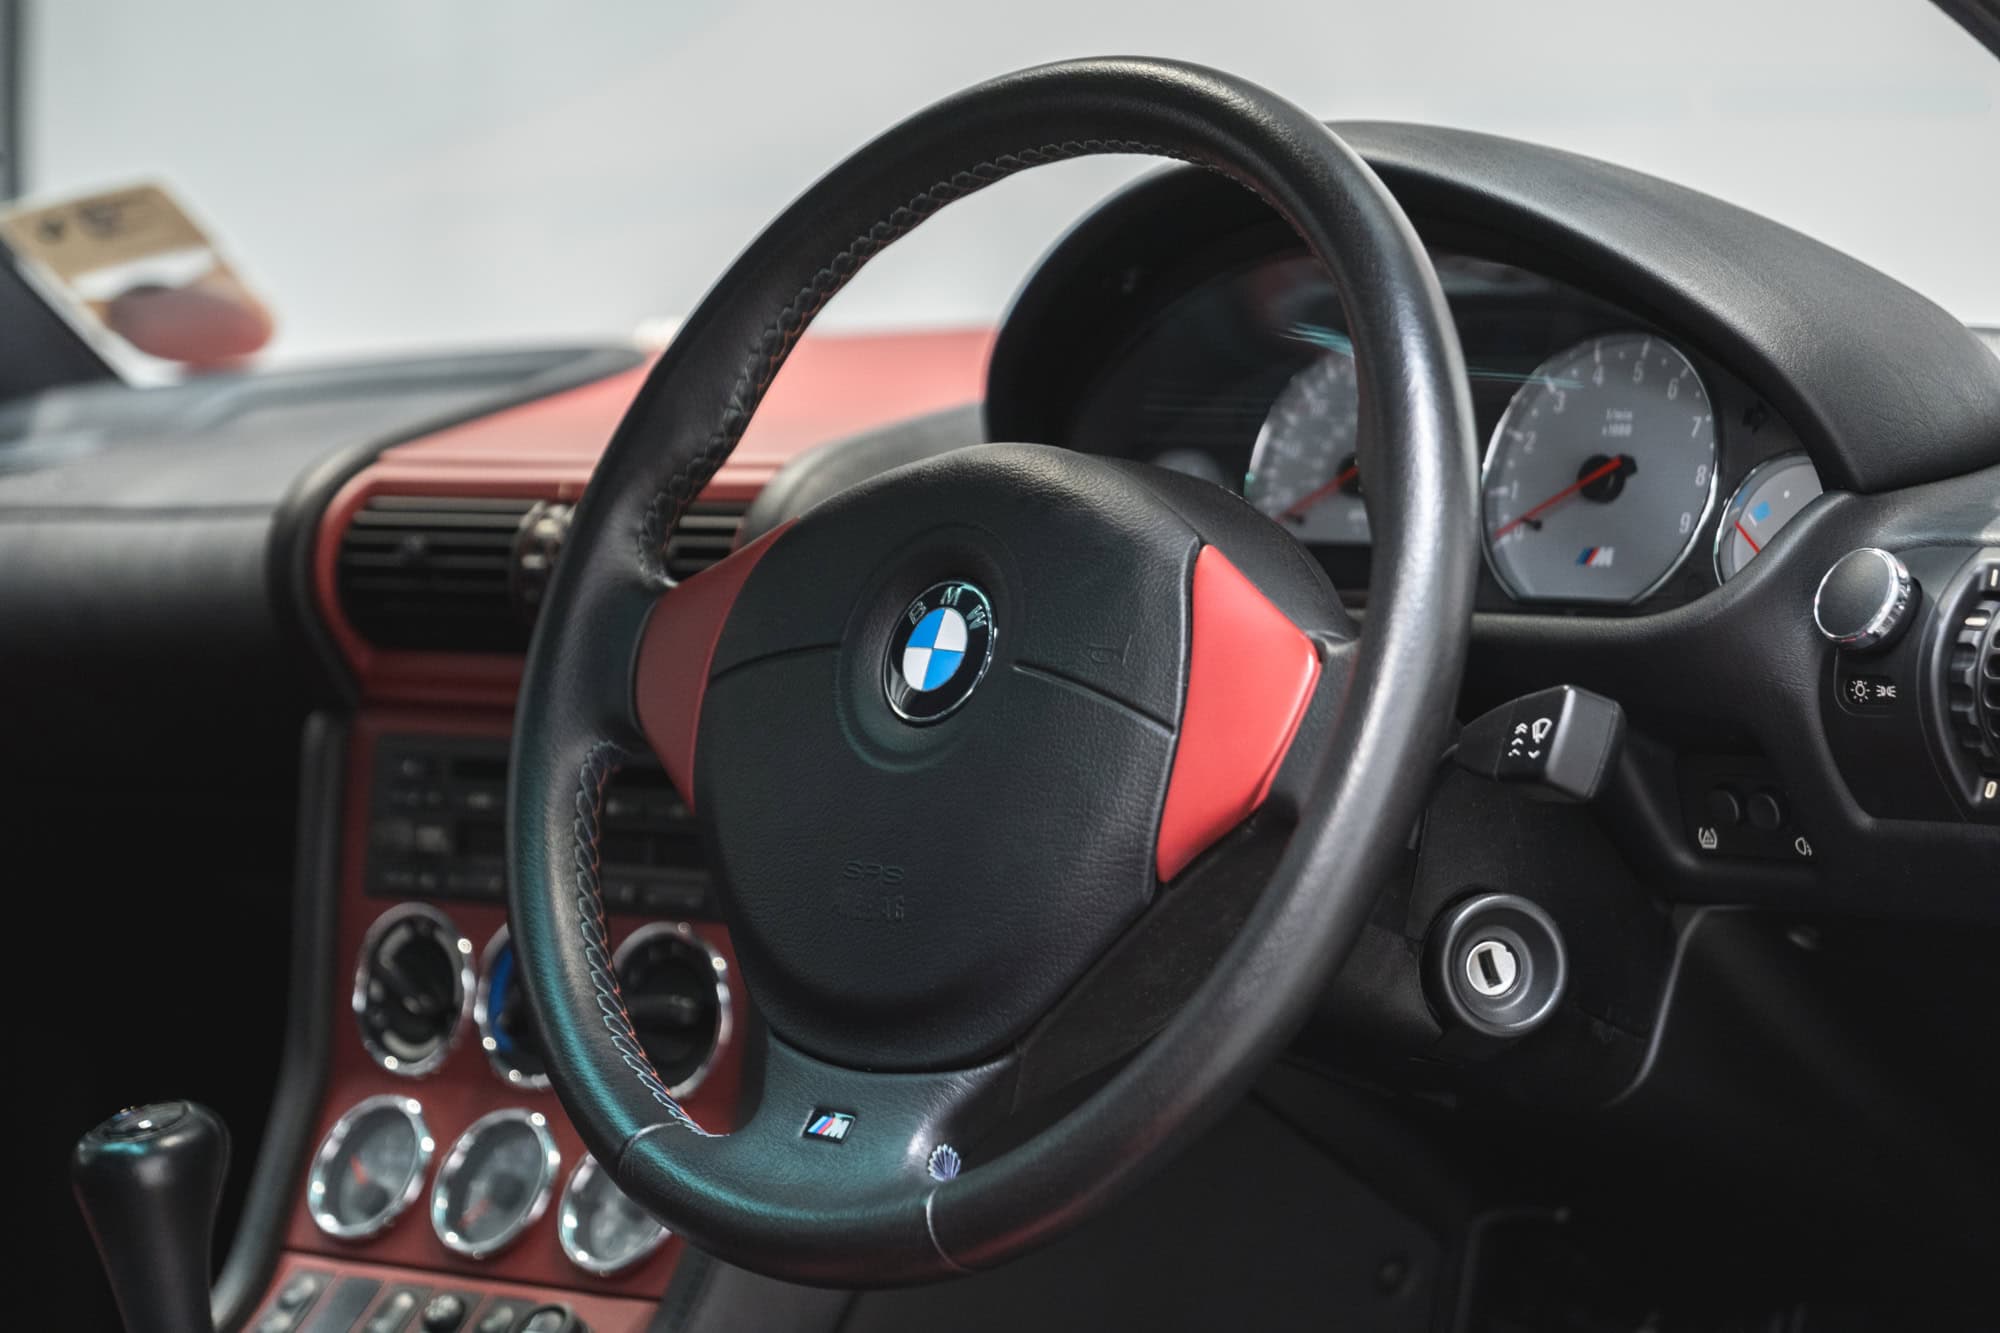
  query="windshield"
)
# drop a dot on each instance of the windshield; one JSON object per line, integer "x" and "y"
{"x": 391, "y": 176}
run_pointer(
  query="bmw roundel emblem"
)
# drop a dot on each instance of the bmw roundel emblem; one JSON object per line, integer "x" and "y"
{"x": 940, "y": 651}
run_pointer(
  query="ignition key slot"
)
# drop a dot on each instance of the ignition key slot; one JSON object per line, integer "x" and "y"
{"x": 1496, "y": 965}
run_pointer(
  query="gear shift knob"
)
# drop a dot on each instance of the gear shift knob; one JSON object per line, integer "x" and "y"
{"x": 148, "y": 1180}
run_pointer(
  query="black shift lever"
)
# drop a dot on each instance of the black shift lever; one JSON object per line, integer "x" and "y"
{"x": 148, "y": 1180}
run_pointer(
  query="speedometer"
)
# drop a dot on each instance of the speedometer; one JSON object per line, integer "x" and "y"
{"x": 1601, "y": 472}
{"x": 1302, "y": 469}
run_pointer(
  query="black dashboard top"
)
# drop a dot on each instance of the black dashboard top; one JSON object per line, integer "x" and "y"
{"x": 241, "y": 441}
{"x": 1884, "y": 388}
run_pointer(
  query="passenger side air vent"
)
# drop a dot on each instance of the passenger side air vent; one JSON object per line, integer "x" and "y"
{"x": 707, "y": 532}
{"x": 435, "y": 573}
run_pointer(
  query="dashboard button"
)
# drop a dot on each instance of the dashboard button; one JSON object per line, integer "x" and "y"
{"x": 1767, "y": 811}
{"x": 501, "y": 1316}
{"x": 1725, "y": 807}
{"x": 395, "y": 1310}
{"x": 300, "y": 1291}
{"x": 1871, "y": 692}
{"x": 663, "y": 897}
{"x": 444, "y": 1314}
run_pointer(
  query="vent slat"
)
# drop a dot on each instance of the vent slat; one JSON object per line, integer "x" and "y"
{"x": 444, "y": 573}
{"x": 434, "y": 573}
{"x": 705, "y": 534}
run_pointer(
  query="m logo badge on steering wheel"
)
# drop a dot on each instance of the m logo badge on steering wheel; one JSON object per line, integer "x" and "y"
{"x": 939, "y": 652}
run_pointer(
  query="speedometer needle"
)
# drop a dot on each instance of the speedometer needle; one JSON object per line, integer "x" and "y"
{"x": 1298, "y": 508}
{"x": 1598, "y": 473}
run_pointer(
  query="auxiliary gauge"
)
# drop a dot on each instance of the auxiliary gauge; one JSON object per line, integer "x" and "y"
{"x": 1770, "y": 497}
{"x": 369, "y": 1168}
{"x": 601, "y": 1229}
{"x": 495, "y": 1182}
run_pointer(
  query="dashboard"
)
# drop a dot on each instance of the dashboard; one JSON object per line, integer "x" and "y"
{"x": 1676, "y": 449}
{"x": 1625, "y": 469}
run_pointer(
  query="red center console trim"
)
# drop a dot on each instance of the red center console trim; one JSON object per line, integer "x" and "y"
{"x": 1251, "y": 674}
{"x": 465, "y": 1086}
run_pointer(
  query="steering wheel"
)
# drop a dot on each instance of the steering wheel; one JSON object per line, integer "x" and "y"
{"x": 1044, "y": 791}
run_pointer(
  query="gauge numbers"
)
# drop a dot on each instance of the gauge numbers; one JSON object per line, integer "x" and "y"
{"x": 1770, "y": 497}
{"x": 1302, "y": 469}
{"x": 1600, "y": 474}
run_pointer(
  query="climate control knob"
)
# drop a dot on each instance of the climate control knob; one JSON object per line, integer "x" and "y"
{"x": 1865, "y": 600}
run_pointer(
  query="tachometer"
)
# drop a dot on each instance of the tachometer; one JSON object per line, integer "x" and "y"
{"x": 1600, "y": 473}
{"x": 1302, "y": 469}
{"x": 1770, "y": 497}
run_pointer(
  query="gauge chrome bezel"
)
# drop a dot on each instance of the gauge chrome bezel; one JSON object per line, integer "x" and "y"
{"x": 724, "y": 1018}
{"x": 464, "y": 978}
{"x": 317, "y": 1189}
{"x": 1752, "y": 479}
{"x": 482, "y": 1018}
{"x": 569, "y": 1224}
{"x": 1701, "y": 520}
{"x": 454, "y": 1163}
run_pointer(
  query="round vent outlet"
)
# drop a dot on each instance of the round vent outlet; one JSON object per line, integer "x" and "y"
{"x": 676, "y": 990}
{"x": 413, "y": 988}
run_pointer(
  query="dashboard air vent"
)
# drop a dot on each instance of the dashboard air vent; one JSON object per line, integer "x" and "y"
{"x": 707, "y": 532}
{"x": 435, "y": 573}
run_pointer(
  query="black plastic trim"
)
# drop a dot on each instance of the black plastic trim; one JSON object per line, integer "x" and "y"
{"x": 1885, "y": 388}
{"x": 302, "y": 1070}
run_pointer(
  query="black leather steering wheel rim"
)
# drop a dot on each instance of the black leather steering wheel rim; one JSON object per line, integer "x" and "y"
{"x": 749, "y": 1200}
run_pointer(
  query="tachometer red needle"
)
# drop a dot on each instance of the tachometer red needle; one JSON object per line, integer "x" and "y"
{"x": 1595, "y": 474}
{"x": 1297, "y": 508}
{"x": 360, "y": 1176}
{"x": 1754, "y": 547}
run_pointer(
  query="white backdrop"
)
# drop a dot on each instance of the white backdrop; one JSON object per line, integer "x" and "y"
{"x": 415, "y": 172}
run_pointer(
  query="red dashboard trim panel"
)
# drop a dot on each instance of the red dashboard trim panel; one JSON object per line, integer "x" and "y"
{"x": 546, "y": 449}
{"x": 832, "y": 385}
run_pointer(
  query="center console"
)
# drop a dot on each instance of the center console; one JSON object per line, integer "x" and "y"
{"x": 446, "y": 1191}
{"x": 427, "y": 1178}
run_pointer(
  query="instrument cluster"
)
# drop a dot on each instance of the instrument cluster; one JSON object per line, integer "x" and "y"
{"x": 1622, "y": 470}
